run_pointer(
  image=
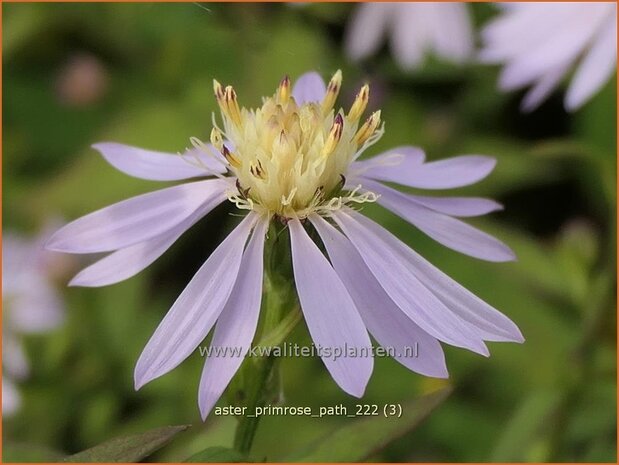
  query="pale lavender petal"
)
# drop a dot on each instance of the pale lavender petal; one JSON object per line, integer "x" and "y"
{"x": 330, "y": 313}
{"x": 543, "y": 88}
{"x": 38, "y": 308}
{"x": 127, "y": 262}
{"x": 137, "y": 219}
{"x": 559, "y": 48}
{"x": 384, "y": 320}
{"x": 11, "y": 399}
{"x": 452, "y": 34}
{"x": 376, "y": 247}
{"x": 160, "y": 166}
{"x": 14, "y": 361}
{"x": 411, "y": 34}
{"x": 448, "y": 231}
{"x": 454, "y": 206}
{"x": 17, "y": 254}
{"x": 442, "y": 174}
{"x": 389, "y": 163}
{"x": 197, "y": 308}
{"x": 309, "y": 88}
{"x": 236, "y": 326}
{"x": 507, "y": 7}
{"x": 503, "y": 37}
{"x": 366, "y": 29}
{"x": 491, "y": 324}
{"x": 596, "y": 68}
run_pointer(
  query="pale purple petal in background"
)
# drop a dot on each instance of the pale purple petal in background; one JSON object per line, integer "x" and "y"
{"x": 366, "y": 29}
{"x": 543, "y": 88}
{"x": 376, "y": 247}
{"x": 539, "y": 43}
{"x": 448, "y": 231}
{"x": 37, "y": 310}
{"x": 414, "y": 29}
{"x": 197, "y": 308}
{"x": 442, "y": 174}
{"x": 20, "y": 260}
{"x": 520, "y": 28}
{"x": 237, "y": 323}
{"x": 310, "y": 87}
{"x": 330, "y": 313}
{"x": 556, "y": 50}
{"x": 596, "y": 68}
{"x": 32, "y": 303}
{"x": 135, "y": 220}
{"x": 127, "y": 262}
{"x": 14, "y": 361}
{"x": 11, "y": 399}
{"x": 411, "y": 34}
{"x": 454, "y": 40}
{"x": 17, "y": 254}
{"x": 159, "y": 166}
{"x": 547, "y": 57}
{"x": 384, "y": 320}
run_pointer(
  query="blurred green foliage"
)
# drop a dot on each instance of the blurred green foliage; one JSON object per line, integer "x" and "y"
{"x": 551, "y": 399}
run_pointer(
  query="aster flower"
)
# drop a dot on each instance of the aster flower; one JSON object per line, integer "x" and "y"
{"x": 31, "y": 305}
{"x": 415, "y": 29}
{"x": 540, "y": 43}
{"x": 295, "y": 162}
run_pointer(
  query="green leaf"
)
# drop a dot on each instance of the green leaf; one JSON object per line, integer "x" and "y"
{"x": 526, "y": 436}
{"x": 128, "y": 448}
{"x": 218, "y": 454}
{"x": 364, "y": 437}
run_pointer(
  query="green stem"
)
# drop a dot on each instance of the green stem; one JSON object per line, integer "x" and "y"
{"x": 279, "y": 316}
{"x": 248, "y": 424}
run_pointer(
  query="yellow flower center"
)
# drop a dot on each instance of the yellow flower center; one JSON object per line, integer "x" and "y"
{"x": 290, "y": 159}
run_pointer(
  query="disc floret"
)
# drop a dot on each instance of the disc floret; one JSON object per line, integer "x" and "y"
{"x": 290, "y": 157}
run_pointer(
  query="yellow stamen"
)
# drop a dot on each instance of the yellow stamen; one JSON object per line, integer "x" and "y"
{"x": 361, "y": 101}
{"x": 334, "y": 136}
{"x": 258, "y": 171}
{"x": 333, "y": 90}
{"x": 283, "y": 92}
{"x": 218, "y": 89}
{"x": 368, "y": 128}
{"x": 231, "y": 157}
{"x": 232, "y": 106}
{"x": 226, "y": 99}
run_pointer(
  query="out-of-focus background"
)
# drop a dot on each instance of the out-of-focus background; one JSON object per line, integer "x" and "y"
{"x": 141, "y": 74}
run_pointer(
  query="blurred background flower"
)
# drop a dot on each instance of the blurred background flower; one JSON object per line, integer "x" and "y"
{"x": 413, "y": 30}
{"x": 552, "y": 398}
{"x": 82, "y": 81}
{"x": 30, "y": 301}
{"x": 540, "y": 43}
